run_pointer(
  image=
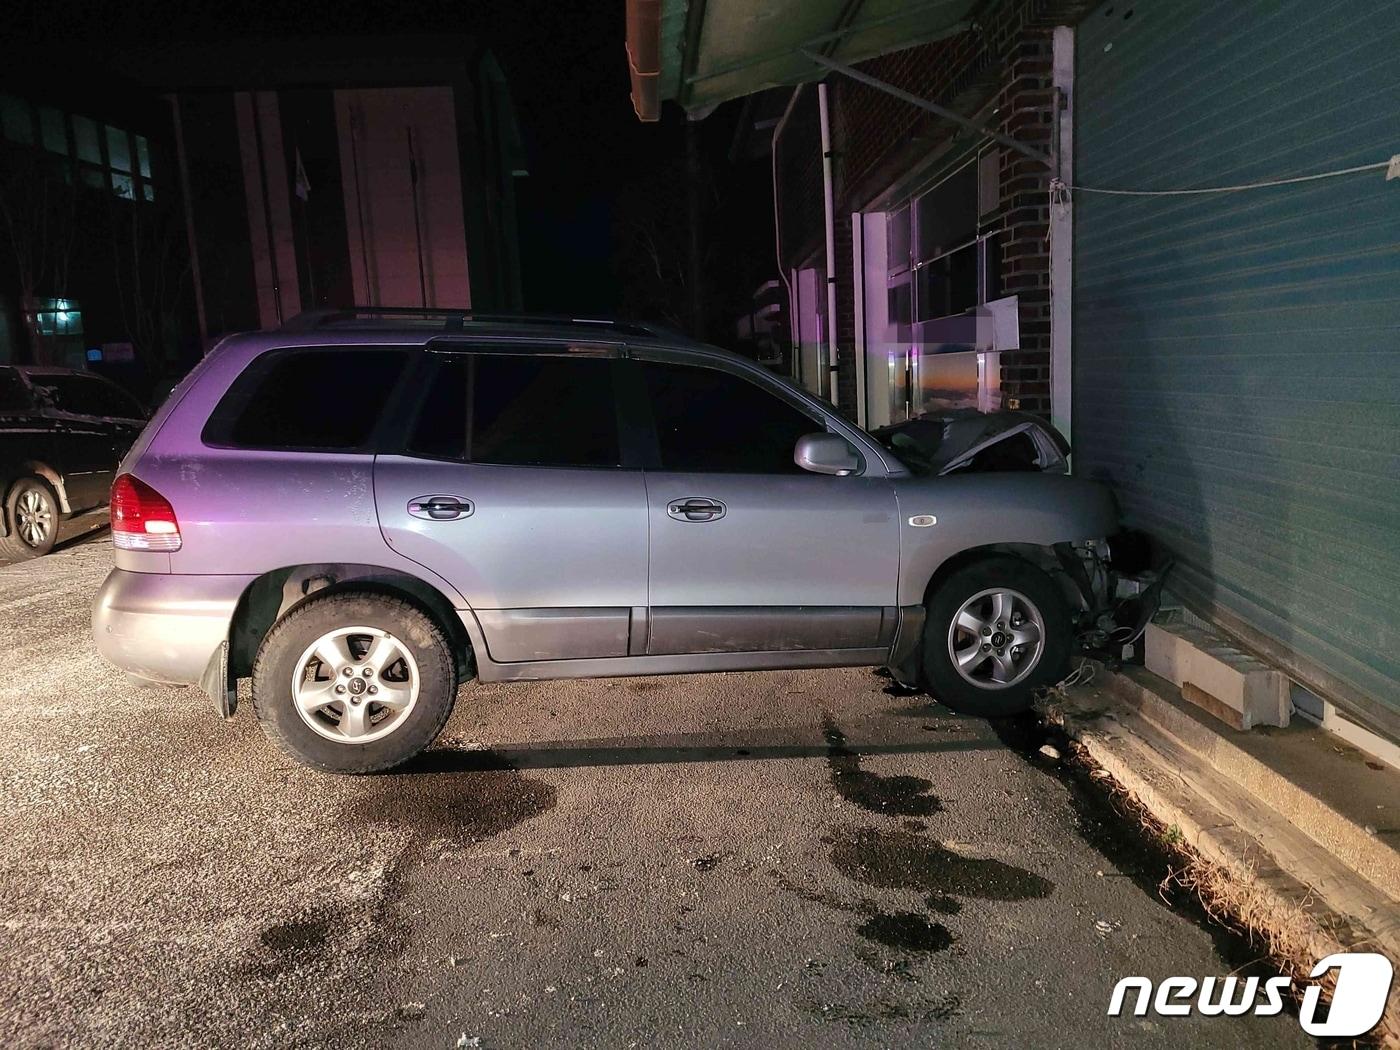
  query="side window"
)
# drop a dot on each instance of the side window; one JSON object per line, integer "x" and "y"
{"x": 109, "y": 400}
{"x": 521, "y": 410}
{"x": 122, "y": 405}
{"x": 307, "y": 399}
{"x": 714, "y": 422}
{"x": 72, "y": 394}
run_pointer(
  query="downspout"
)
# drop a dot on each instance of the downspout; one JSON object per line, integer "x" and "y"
{"x": 793, "y": 333}
{"x": 193, "y": 244}
{"x": 829, "y": 204}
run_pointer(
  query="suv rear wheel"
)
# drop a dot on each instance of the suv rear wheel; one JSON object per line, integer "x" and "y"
{"x": 997, "y": 630}
{"x": 354, "y": 683}
{"x": 32, "y": 511}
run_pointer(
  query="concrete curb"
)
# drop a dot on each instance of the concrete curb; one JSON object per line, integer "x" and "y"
{"x": 1294, "y": 887}
{"x": 1349, "y": 841}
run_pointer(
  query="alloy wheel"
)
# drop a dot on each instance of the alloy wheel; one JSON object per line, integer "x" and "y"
{"x": 34, "y": 517}
{"x": 996, "y": 638}
{"x": 354, "y": 685}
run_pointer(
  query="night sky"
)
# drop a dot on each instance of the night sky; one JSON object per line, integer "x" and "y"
{"x": 600, "y": 181}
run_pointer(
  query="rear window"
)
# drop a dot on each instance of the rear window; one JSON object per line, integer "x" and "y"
{"x": 318, "y": 400}
{"x": 520, "y": 409}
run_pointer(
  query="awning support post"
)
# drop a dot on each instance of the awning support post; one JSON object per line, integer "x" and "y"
{"x": 924, "y": 104}
{"x": 829, "y": 207}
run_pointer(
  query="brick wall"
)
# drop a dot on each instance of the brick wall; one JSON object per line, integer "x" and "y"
{"x": 1005, "y": 59}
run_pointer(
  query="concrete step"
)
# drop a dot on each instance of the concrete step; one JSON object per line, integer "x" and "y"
{"x": 1315, "y": 781}
{"x": 1273, "y": 873}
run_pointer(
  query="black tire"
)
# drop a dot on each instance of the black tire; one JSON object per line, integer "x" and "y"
{"x": 947, "y": 683}
{"x": 289, "y": 639}
{"x": 18, "y": 546}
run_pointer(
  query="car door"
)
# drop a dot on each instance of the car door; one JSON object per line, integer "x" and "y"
{"x": 750, "y": 553}
{"x": 512, "y": 486}
{"x": 81, "y": 445}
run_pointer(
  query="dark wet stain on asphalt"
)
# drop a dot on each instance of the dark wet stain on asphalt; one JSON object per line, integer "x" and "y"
{"x": 887, "y": 795}
{"x": 298, "y": 935}
{"x": 449, "y": 805}
{"x": 906, "y": 930}
{"x": 900, "y": 860}
{"x": 942, "y": 904}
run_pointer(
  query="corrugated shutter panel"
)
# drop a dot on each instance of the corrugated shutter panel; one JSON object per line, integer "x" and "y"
{"x": 1237, "y": 356}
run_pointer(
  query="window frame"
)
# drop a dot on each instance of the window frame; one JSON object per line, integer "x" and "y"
{"x": 437, "y": 355}
{"x": 216, "y": 433}
{"x": 639, "y": 403}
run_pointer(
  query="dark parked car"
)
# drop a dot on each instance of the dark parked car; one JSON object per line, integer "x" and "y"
{"x": 62, "y": 434}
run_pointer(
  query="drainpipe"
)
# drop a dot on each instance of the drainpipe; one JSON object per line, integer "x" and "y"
{"x": 193, "y": 244}
{"x": 778, "y": 231}
{"x": 829, "y": 202}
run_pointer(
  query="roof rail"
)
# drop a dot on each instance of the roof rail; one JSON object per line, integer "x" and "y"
{"x": 454, "y": 320}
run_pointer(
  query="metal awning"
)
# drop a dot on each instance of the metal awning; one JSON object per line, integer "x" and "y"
{"x": 700, "y": 53}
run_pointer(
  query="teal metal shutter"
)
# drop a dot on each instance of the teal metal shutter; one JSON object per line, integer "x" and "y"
{"x": 1237, "y": 355}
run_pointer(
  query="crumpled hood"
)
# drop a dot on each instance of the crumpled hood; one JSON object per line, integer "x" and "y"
{"x": 968, "y": 440}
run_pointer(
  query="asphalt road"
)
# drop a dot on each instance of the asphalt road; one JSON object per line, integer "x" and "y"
{"x": 776, "y": 859}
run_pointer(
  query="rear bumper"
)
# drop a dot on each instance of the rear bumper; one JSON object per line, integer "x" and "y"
{"x": 162, "y": 627}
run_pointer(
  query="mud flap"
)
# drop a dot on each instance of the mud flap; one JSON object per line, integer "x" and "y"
{"x": 905, "y": 666}
{"x": 216, "y": 685}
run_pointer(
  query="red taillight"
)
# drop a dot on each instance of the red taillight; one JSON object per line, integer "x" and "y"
{"x": 142, "y": 519}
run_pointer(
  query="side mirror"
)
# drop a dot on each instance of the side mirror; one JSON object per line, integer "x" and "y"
{"x": 825, "y": 454}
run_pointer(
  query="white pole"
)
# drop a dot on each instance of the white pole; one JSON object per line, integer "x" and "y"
{"x": 828, "y": 195}
{"x": 1062, "y": 239}
{"x": 778, "y": 233}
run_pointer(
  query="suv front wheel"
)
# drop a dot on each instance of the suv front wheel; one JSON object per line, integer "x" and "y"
{"x": 354, "y": 683}
{"x": 997, "y": 630}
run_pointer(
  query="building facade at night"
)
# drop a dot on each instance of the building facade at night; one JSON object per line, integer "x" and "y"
{"x": 93, "y": 252}
{"x": 288, "y": 176}
{"x": 1168, "y": 227}
{"x": 377, "y": 173}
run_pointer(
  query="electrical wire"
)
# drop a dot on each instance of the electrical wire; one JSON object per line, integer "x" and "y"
{"x": 1059, "y": 189}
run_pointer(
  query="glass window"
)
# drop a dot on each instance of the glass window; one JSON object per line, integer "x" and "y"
{"x": 17, "y": 119}
{"x": 307, "y": 399}
{"x": 948, "y": 285}
{"x": 75, "y": 394}
{"x": 118, "y": 149}
{"x": 89, "y": 396}
{"x": 143, "y": 156}
{"x": 714, "y": 422}
{"x": 54, "y": 130}
{"x": 86, "y": 140}
{"x": 123, "y": 186}
{"x": 946, "y": 216}
{"x": 521, "y": 409}
{"x": 115, "y": 403}
{"x": 897, "y": 247}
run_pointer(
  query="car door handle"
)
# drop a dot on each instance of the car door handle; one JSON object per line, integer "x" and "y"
{"x": 696, "y": 509}
{"x": 440, "y": 508}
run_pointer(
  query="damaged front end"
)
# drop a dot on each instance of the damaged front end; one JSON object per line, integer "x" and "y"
{"x": 969, "y": 442}
{"x": 1116, "y": 579}
{"x": 1119, "y": 580}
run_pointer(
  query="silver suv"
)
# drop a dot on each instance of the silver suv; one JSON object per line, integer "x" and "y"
{"x": 362, "y": 511}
